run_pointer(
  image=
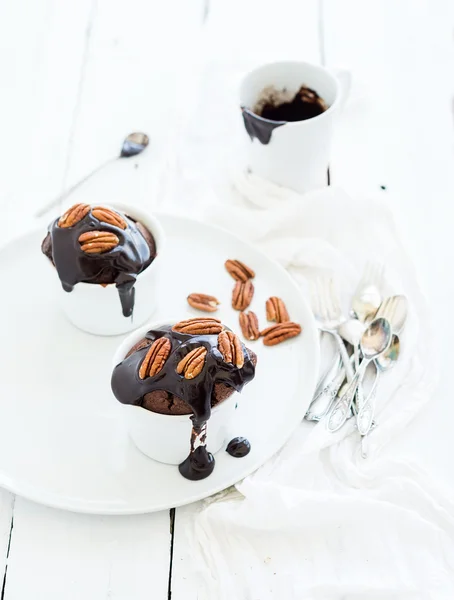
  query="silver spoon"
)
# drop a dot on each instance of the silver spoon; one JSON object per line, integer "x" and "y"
{"x": 384, "y": 362}
{"x": 395, "y": 309}
{"x": 133, "y": 144}
{"x": 374, "y": 341}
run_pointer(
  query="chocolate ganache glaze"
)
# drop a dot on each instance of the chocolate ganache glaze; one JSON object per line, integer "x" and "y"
{"x": 130, "y": 388}
{"x": 118, "y": 263}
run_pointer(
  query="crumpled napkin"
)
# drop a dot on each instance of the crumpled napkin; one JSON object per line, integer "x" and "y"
{"x": 318, "y": 522}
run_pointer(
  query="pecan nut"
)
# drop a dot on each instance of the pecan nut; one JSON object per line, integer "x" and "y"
{"x": 203, "y": 302}
{"x": 192, "y": 364}
{"x": 249, "y": 324}
{"x": 97, "y": 242}
{"x": 242, "y": 294}
{"x": 155, "y": 358}
{"x": 279, "y": 333}
{"x": 73, "y": 215}
{"x": 239, "y": 270}
{"x": 107, "y": 215}
{"x": 199, "y": 326}
{"x": 276, "y": 310}
{"x": 231, "y": 348}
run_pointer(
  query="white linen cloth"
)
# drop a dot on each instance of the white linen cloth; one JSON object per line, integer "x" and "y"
{"x": 318, "y": 522}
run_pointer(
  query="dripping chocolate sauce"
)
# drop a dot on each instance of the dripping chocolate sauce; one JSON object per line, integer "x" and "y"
{"x": 238, "y": 447}
{"x": 120, "y": 266}
{"x": 258, "y": 127}
{"x": 199, "y": 463}
{"x": 263, "y": 120}
{"x": 128, "y": 388}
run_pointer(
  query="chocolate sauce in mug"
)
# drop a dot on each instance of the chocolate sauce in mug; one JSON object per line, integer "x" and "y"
{"x": 267, "y": 115}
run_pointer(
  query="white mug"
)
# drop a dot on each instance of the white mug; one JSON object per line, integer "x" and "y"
{"x": 297, "y": 154}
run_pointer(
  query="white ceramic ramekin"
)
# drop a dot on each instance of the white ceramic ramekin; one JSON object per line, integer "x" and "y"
{"x": 97, "y": 309}
{"x": 166, "y": 438}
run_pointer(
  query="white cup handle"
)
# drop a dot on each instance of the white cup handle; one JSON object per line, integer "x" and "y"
{"x": 345, "y": 79}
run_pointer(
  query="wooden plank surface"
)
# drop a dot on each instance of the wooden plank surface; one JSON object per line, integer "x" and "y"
{"x": 43, "y": 50}
{"x": 138, "y": 77}
{"x": 79, "y": 78}
{"x": 7, "y": 502}
{"x": 56, "y": 554}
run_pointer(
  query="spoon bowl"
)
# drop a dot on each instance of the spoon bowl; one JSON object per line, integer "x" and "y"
{"x": 388, "y": 359}
{"x": 376, "y": 338}
{"x": 134, "y": 144}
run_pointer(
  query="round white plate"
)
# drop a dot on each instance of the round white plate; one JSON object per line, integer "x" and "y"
{"x": 62, "y": 442}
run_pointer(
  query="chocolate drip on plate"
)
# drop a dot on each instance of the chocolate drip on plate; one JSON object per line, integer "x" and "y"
{"x": 238, "y": 447}
{"x": 200, "y": 463}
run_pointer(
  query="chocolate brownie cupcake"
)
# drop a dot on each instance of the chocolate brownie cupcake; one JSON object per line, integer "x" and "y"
{"x": 99, "y": 245}
{"x": 185, "y": 369}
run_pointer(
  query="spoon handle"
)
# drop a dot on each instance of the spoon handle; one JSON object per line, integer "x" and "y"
{"x": 56, "y": 201}
{"x": 326, "y": 391}
{"x": 341, "y": 409}
{"x": 344, "y": 355}
{"x": 366, "y": 411}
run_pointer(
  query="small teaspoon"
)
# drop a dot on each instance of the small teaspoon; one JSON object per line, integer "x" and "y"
{"x": 384, "y": 362}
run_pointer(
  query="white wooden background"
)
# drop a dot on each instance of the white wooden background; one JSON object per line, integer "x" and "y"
{"x": 77, "y": 76}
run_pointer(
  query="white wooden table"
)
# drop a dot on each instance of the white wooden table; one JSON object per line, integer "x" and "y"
{"x": 77, "y": 76}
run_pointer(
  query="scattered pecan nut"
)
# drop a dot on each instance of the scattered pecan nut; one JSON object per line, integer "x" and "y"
{"x": 242, "y": 294}
{"x": 249, "y": 324}
{"x": 73, "y": 215}
{"x": 107, "y": 215}
{"x": 155, "y": 358}
{"x": 96, "y": 242}
{"x": 199, "y": 326}
{"x": 192, "y": 364}
{"x": 203, "y": 302}
{"x": 239, "y": 270}
{"x": 276, "y": 310}
{"x": 279, "y": 333}
{"x": 231, "y": 348}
